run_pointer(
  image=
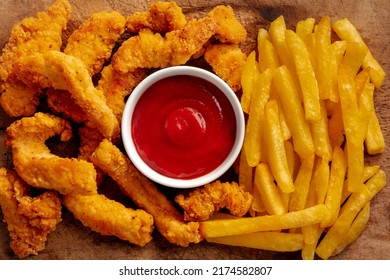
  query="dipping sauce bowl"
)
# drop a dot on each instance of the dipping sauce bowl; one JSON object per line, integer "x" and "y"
{"x": 183, "y": 127}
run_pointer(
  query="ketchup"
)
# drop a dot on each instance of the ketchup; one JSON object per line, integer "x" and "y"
{"x": 183, "y": 127}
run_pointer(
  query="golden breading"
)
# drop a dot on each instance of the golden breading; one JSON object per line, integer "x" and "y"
{"x": 201, "y": 203}
{"x": 29, "y": 219}
{"x": 146, "y": 195}
{"x": 227, "y": 61}
{"x": 152, "y": 50}
{"x": 109, "y": 217}
{"x": 229, "y": 29}
{"x": 35, "y": 34}
{"x": 60, "y": 71}
{"x": 40, "y": 168}
{"x": 162, "y": 17}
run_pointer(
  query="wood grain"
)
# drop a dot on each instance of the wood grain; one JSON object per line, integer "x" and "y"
{"x": 372, "y": 18}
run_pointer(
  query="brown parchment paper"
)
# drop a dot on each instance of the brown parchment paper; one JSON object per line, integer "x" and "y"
{"x": 71, "y": 240}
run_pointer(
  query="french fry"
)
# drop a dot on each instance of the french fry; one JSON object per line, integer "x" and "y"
{"x": 277, "y": 31}
{"x": 268, "y": 57}
{"x": 264, "y": 181}
{"x": 349, "y": 211}
{"x": 302, "y": 185}
{"x": 320, "y": 134}
{"x": 276, "y": 153}
{"x": 324, "y": 56}
{"x": 300, "y": 128}
{"x": 249, "y": 75}
{"x": 357, "y": 227}
{"x": 308, "y": 216}
{"x": 335, "y": 188}
{"x": 320, "y": 179}
{"x": 245, "y": 173}
{"x": 306, "y": 75}
{"x": 273, "y": 241}
{"x": 253, "y": 136}
{"x": 305, "y": 27}
{"x": 348, "y": 32}
{"x": 374, "y": 140}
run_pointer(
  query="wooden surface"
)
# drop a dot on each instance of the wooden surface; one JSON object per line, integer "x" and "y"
{"x": 372, "y": 18}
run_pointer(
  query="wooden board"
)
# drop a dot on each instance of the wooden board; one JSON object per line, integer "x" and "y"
{"x": 372, "y": 18}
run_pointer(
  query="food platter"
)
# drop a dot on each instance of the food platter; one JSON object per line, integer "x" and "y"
{"x": 71, "y": 240}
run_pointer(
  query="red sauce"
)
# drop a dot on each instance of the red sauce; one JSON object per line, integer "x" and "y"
{"x": 183, "y": 127}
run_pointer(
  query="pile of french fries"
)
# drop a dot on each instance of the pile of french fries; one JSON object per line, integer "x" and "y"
{"x": 311, "y": 120}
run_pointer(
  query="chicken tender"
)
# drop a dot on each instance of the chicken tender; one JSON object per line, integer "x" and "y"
{"x": 109, "y": 217}
{"x": 201, "y": 203}
{"x": 35, "y": 34}
{"x": 36, "y": 165}
{"x": 229, "y": 29}
{"x": 92, "y": 43}
{"x": 60, "y": 71}
{"x": 227, "y": 61}
{"x": 29, "y": 219}
{"x": 162, "y": 17}
{"x": 152, "y": 50}
{"x": 117, "y": 87}
{"x": 146, "y": 195}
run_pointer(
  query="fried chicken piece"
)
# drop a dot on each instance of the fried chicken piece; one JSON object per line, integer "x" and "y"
{"x": 35, "y": 34}
{"x": 109, "y": 217}
{"x": 146, "y": 195}
{"x": 117, "y": 87}
{"x": 29, "y": 219}
{"x": 227, "y": 61}
{"x": 229, "y": 29}
{"x": 40, "y": 168}
{"x": 60, "y": 71}
{"x": 92, "y": 43}
{"x": 151, "y": 50}
{"x": 201, "y": 203}
{"x": 162, "y": 17}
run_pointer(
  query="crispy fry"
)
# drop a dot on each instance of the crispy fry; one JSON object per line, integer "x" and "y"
{"x": 109, "y": 217}
{"x": 268, "y": 190}
{"x": 250, "y": 73}
{"x": 274, "y": 241}
{"x": 201, "y": 203}
{"x": 145, "y": 194}
{"x": 347, "y": 31}
{"x": 276, "y": 153}
{"x": 355, "y": 203}
{"x": 335, "y": 188}
{"x": 300, "y": 129}
{"x": 308, "y": 216}
{"x": 305, "y": 27}
{"x": 254, "y": 132}
{"x": 320, "y": 133}
{"x": 306, "y": 75}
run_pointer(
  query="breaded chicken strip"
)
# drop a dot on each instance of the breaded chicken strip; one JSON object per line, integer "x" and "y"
{"x": 201, "y": 203}
{"x": 40, "y": 168}
{"x": 227, "y": 61}
{"x": 29, "y": 219}
{"x": 35, "y": 34}
{"x": 151, "y": 50}
{"x": 117, "y": 87}
{"x": 162, "y": 17}
{"x": 92, "y": 43}
{"x": 229, "y": 29}
{"x": 109, "y": 217}
{"x": 60, "y": 71}
{"x": 146, "y": 195}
